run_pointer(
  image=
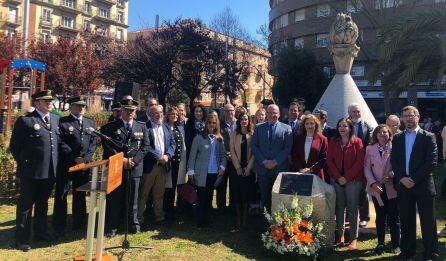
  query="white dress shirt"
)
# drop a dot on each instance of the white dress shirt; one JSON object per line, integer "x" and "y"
{"x": 158, "y": 134}
{"x": 409, "y": 140}
{"x": 307, "y": 148}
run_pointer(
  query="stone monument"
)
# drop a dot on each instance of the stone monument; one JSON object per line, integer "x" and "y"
{"x": 308, "y": 187}
{"x": 342, "y": 90}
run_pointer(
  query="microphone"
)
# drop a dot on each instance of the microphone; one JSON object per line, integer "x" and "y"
{"x": 91, "y": 130}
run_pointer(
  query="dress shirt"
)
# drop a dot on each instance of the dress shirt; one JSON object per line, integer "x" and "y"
{"x": 308, "y": 142}
{"x": 294, "y": 123}
{"x": 409, "y": 138}
{"x": 212, "y": 165}
{"x": 230, "y": 127}
{"x": 128, "y": 124}
{"x": 42, "y": 115}
{"x": 356, "y": 128}
{"x": 158, "y": 134}
{"x": 76, "y": 118}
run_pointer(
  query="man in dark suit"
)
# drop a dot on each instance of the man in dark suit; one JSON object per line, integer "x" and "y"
{"x": 156, "y": 164}
{"x": 271, "y": 144}
{"x": 293, "y": 116}
{"x": 363, "y": 131}
{"x": 413, "y": 158}
{"x": 133, "y": 133}
{"x": 73, "y": 133}
{"x": 34, "y": 145}
{"x": 146, "y": 117}
{"x": 227, "y": 126}
{"x": 327, "y": 130}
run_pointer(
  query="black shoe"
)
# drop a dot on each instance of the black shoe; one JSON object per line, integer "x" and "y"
{"x": 363, "y": 223}
{"x": 112, "y": 233}
{"x": 379, "y": 249}
{"x": 45, "y": 237}
{"x": 23, "y": 247}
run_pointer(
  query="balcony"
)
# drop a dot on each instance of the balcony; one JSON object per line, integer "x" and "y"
{"x": 76, "y": 28}
{"x": 110, "y": 2}
{"x": 14, "y": 2}
{"x": 120, "y": 21}
{"x": 10, "y": 19}
{"x": 72, "y": 7}
{"x": 49, "y": 3}
{"x": 88, "y": 11}
{"x": 106, "y": 17}
{"x": 46, "y": 22}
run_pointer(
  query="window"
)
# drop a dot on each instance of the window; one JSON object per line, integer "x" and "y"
{"x": 46, "y": 15}
{"x": 382, "y": 4}
{"x": 46, "y": 36}
{"x": 67, "y": 21}
{"x": 13, "y": 15}
{"x": 102, "y": 30}
{"x": 323, "y": 10}
{"x": 87, "y": 7}
{"x": 104, "y": 12}
{"x": 299, "y": 15}
{"x": 277, "y": 2}
{"x": 299, "y": 42}
{"x": 322, "y": 40}
{"x": 69, "y": 3}
{"x": 121, "y": 3}
{"x": 87, "y": 26}
{"x": 280, "y": 22}
{"x": 119, "y": 35}
{"x": 121, "y": 17}
{"x": 440, "y": 1}
{"x": 353, "y": 6}
{"x": 357, "y": 71}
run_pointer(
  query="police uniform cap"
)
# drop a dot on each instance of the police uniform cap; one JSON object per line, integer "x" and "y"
{"x": 77, "y": 100}
{"x": 43, "y": 95}
{"x": 116, "y": 106}
{"x": 129, "y": 104}
{"x": 266, "y": 102}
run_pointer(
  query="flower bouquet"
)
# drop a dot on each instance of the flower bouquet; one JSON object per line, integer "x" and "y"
{"x": 293, "y": 230}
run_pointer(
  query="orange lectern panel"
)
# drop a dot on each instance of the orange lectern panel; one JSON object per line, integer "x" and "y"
{"x": 114, "y": 177}
{"x": 84, "y": 166}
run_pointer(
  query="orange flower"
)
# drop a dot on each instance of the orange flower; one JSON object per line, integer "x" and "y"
{"x": 277, "y": 234}
{"x": 296, "y": 228}
{"x": 308, "y": 238}
{"x": 304, "y": 223}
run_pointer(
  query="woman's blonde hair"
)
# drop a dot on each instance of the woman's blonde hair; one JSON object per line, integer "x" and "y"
{"x": 304, "y": 119}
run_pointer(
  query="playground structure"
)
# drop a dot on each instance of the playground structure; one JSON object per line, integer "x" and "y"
{"x": 10, "y": 71}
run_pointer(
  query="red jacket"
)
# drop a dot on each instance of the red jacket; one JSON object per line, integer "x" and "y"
{"x": 353, "y": 160}
{"x": 316, "y": 158}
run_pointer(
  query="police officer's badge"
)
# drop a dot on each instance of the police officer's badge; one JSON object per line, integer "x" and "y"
{"x": 36, "y": 127}
{"x": 118, "y": 132}
{"x": 71, "y": 129}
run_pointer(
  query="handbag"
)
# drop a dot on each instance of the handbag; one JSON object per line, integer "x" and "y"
{"x": 188, "y": 193}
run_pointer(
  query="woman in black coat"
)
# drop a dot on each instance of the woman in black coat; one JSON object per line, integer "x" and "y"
{"x": 194, "y": 126}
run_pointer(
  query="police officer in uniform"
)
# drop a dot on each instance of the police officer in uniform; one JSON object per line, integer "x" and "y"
{"x": 34, "y": 146}
{"x": 73, "y": 133}
{"x": 127, "y": 131}
{"x": 116, "y": 110}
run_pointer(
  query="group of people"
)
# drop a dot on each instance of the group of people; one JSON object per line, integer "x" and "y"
{"x": 391, "y": 166}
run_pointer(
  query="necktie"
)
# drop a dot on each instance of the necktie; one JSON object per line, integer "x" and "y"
{"x": 80, "y": 124}
{"x": 46, "y": 119}
{"x": 129, "y": 128}
{"x": 270, "y": 133}
{"x": 292, "y": 124}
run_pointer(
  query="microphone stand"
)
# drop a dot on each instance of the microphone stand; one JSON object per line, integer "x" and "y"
{"x": 127, "y": 147}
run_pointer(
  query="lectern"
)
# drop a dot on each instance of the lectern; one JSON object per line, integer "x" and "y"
{"x": 106, "y": 175}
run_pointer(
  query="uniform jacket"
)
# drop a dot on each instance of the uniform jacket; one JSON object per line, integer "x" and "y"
{"x": 278, "y": 150}
{"x": 353, "y": 154}
{"x": 80, "y": 143}
{"x": 375, "y": 167}
{"x": 316, "y": 158}
{"x": 138, "y": 138}
{"x": 35, "y": 147}
{"x": 151, "y": 157}
{"x": 423, "y": 159}
{"x": 199, "y": 156}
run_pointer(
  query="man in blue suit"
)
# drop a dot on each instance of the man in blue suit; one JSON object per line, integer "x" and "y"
{"x": 156, "y": 164}
{"x": 271, "y": 144}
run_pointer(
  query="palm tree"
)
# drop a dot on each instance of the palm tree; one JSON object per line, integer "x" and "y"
{"x": 411, "y": 49}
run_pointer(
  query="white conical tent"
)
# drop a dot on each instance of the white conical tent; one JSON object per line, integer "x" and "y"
{"x": 340, "y": 93}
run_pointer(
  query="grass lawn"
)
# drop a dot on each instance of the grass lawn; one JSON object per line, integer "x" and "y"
{"x": 183, "y": 241}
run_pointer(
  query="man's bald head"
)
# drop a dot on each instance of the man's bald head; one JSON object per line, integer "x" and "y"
{"x": 393, "y": 121}
{"x": 273, "y": 113}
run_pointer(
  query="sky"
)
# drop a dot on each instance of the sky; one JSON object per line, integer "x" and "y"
{"x": 252, "y": 13}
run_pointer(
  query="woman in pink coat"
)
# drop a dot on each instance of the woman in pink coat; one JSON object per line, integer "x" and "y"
{"x": 379, "y": 175}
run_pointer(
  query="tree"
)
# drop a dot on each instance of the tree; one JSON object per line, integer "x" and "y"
{"x": 412, "y": 49}
{"x": 228, "y": 23}
{"x": 264, "y": 32}
{"x": 10, "y": 47}
{"x": 73, "y": 66}
{"x": 299, "y": 76}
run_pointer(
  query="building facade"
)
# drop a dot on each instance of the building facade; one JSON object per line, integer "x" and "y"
{"x": 307, "y": 23}
{"x": 49, "y": 19}
{"x": 257, "y": 83}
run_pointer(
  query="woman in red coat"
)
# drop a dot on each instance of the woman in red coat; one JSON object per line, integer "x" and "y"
{"x": 345, "y": 159}
{"x": 309, "y": 151}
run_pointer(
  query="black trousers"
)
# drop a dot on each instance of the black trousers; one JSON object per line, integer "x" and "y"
{"x": 33, "y": 192}
{"x": 222, "y": 189}
{"x": 409, "y": 202}
{"x": 79, "y": 205}
{"x": 205, "y": 195}
{"x": 387, "y": 214}
{"x": 169, "y": 193}
{"x": 115, "y": 207}
{"x": 364, "y": 207}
